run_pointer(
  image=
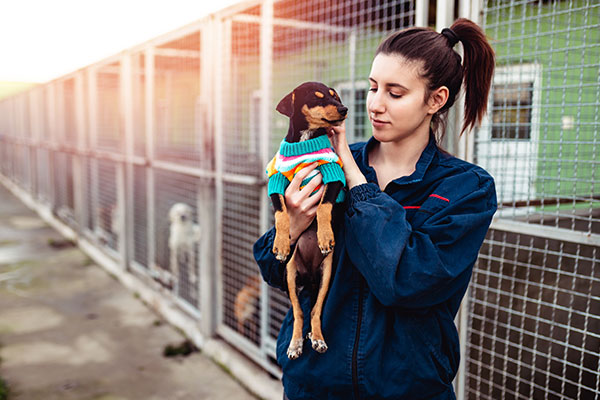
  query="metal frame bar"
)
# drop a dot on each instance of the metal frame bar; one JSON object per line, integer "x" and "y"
{"x": 125, "y": 172}
{"x": 205, "y": 202}
{"x": 422, "y": 13}
{"x": 78, "y": 171}
{"x": 223, "y": 63}
{"x": 150, "y": 132}
{"x": 290, "y": 23}
{"x": 266, "y": 77}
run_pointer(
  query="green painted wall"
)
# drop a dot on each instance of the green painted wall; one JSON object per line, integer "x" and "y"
{"x": 563, "y": 38}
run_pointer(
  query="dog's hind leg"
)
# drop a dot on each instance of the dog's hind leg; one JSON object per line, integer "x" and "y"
{"x": 281, "y": 244}
{"x": 325, "y": 235}
{"x": 193, "y": 268}
{"x": 175, "y": 269}
{"x": 295, "y": 348}
{"x": 316, "y": 335}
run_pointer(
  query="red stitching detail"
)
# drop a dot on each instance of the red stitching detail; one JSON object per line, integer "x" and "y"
{"x": 439, "y": 197}
{"x": 411, "y": 207}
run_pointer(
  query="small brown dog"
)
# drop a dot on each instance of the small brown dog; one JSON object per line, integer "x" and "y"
{"x": 312, "y": 108}
{"x": 246, "y": 305}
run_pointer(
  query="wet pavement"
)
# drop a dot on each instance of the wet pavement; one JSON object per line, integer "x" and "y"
{"x": 69, "y": 330}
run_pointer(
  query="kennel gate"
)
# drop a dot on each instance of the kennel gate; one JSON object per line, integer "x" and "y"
{"x": 534, "y": 302}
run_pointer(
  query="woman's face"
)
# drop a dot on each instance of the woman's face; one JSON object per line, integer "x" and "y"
{"x": 396, "y": 99}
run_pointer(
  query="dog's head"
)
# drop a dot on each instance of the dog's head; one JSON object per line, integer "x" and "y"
{"x": 180, "y": 213}
{"x": 314, "y": 105}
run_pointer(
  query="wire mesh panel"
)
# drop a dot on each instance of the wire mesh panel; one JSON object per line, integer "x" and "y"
{"x": 177, "y": 88}
{"x": 540, "y": 140}
{"x": 140, "y": 216}
{"x": 63, "y": 184}
{"x": 242, "y": 104}
{"x": 44, "y": 191}
{"x": 107, "y": 226}
{"x": 241, "y": 279}
{"x": 108, "y": 117}
{"x": 534, "y": 320}
{"x": 331, "y": 42}
{"x": 241, "y": 313}
{"x": 7, "y": 160}
{"x": 26, "y": 170}
{"x": 139, "y": 104}
{"x": 69, "y": 113}
{"x": 177, "y": 233}
{"x": 89, "y": 199}
{"x": 22, "y": 125}
{"x": 534, "y": 328}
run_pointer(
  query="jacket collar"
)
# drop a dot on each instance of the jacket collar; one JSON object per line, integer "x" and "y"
{"x": 422, "y": 165}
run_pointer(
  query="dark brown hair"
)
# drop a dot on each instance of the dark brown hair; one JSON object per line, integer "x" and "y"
{"x": 441, "y": 66}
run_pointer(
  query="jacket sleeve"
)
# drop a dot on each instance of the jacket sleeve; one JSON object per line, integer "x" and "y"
{"x": 271, "y": 268}
{"x": 427, "y": 265}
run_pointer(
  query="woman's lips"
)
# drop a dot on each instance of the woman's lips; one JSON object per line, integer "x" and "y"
{"x": 378, "y": 123}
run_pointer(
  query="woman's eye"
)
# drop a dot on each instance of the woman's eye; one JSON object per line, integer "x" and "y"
{"x": 395, "y": 96}
{"x": 373, "y": 89}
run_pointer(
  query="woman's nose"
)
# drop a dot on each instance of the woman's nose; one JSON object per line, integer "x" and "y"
{"x": 375, "y": 103}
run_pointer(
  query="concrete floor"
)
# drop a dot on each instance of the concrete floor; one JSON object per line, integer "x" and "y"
{"x": 68, "y": 330}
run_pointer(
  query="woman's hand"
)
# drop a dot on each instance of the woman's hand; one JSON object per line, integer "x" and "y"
{"x": 337, "y": 136}
{"x": 301, "y": 206}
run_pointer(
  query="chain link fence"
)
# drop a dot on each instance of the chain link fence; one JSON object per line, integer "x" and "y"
{"x": 157, "y": 156}
{"x": 534, "y": 314}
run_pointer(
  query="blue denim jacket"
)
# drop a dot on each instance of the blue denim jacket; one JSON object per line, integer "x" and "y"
{"x": 402, "y": 263}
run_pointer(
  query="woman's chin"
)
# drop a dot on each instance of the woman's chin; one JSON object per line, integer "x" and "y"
{"x": 382, "y": 135}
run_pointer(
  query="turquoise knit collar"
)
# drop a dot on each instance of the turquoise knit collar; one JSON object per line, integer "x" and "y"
{"x": 287, "y": 149}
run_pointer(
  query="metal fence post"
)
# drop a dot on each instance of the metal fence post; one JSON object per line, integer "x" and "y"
{"x": 206, "y": 202}
{"x": 422, "y": 13}
{"x": 223, "y": 59}
{"x": 470, "y": 9}
{"x": 125, "y": 169}
{"x": 445, "y": 18}
{"x": 150, "y": 121}
{"x": 78, "y": 170}
{"x": 34, "y": 140}
{"x": 266, "y": 76}
{"x": 51, "y": 139}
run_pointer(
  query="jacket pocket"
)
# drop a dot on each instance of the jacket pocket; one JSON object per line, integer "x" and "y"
{"x": 439, "y": 340}
{"x": 442, "y": 365}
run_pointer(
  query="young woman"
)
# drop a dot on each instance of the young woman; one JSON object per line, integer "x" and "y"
{"x": 413, "y": 224}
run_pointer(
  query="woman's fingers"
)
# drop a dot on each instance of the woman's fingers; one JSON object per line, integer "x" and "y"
{"x": 300, "y": 176}
{"x": 310, "y": 204}
{"x": 310, "y": 187}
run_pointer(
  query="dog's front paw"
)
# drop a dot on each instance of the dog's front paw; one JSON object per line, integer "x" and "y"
{"x": 317, "y": 344}
{"x": 326, "y": 240}
{"x": 295, "y": 349}
{"x": 281, "y": 247}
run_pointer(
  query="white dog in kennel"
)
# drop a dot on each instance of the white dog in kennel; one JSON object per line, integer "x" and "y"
{"x": 184, "y": 235}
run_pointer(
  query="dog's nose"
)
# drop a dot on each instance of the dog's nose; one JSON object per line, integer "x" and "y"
{"x": 343, "y": 110}
{"x": 183, "y": 218}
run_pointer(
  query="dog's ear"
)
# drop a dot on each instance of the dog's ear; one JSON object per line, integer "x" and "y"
{"x": 286, "y": 105}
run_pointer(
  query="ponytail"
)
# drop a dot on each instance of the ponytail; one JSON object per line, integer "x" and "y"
{"x": 442, "y": 66}
{"x": 478, "y": 69}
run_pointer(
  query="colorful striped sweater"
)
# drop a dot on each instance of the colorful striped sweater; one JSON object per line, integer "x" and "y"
{"x": 292, "y": 157}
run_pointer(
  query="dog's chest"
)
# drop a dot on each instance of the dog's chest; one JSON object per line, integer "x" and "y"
{"x": 305, "y": 135}
{"x": 182, "y": 234}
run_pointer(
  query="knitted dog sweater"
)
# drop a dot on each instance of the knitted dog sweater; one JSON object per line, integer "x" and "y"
{"x": 292, "y": 157}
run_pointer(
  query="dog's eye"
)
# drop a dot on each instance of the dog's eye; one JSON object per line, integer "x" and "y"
{"x": 319, "y": 95}
{"x": 334, "y": 94}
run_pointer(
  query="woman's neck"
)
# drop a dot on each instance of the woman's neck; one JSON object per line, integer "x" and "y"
{"x": 393, "y": 160}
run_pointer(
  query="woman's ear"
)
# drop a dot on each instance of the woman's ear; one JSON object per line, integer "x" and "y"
{"x": 437, "y": 99}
